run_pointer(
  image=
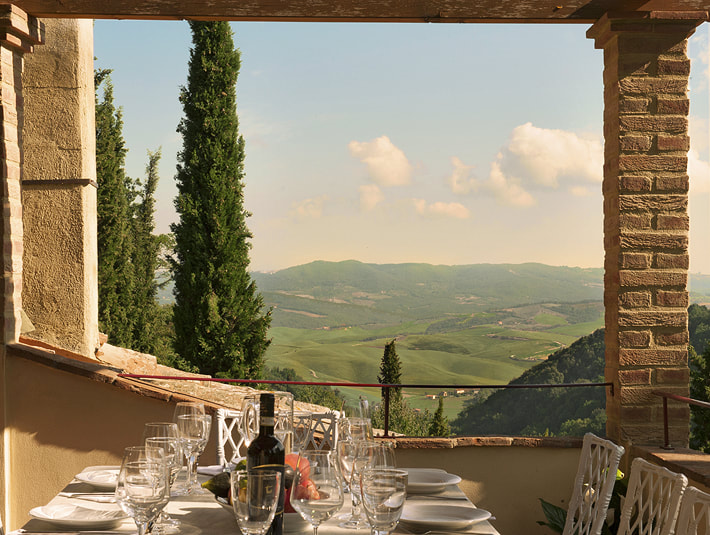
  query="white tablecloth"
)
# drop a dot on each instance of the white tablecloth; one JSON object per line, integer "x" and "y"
{"x": 202, "y": 514}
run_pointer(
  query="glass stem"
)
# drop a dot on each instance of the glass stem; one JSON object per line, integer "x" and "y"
{"x": 315, "y": 529}
{"x": 142, "y": 526}
{"x": 191, "y": 471}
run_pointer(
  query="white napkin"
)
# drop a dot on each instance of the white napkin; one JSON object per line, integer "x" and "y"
{"x": 212, "y": 470}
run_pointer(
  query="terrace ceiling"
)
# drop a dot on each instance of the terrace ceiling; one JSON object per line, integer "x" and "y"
{"x": 453, "y": 11}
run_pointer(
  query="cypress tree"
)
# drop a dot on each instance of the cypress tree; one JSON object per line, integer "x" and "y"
{"x": 391, "y": 372}
{"x": 220, "y": 324}
{"x": 145, "y": 261}
{"x": 114, "y": 196}
{"x": 440, "y": 424}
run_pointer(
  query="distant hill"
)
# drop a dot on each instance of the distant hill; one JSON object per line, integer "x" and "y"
{"x": 538, "y": 411}
{"x": 564, "y": 411}
{"x": 354, "y": 293}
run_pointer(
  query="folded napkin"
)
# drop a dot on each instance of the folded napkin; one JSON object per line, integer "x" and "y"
{"x": 213, "y": 470}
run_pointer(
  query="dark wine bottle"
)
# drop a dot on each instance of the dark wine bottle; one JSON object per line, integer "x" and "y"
{"x": 266, "y": 452}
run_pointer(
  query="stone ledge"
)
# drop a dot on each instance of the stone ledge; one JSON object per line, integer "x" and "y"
{"x": 487, "y": 441}
{"x": 693, "y": 464}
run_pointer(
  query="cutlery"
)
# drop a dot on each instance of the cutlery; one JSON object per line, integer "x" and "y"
{"x": 90, "y": 496}
{"x": 102, "y": 532}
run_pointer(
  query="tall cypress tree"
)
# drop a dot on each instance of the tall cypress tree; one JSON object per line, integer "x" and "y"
{"x": 145, "y": 261}
{"x": 391, "y": 372}
{"x": 220, "y": 322}
{"x": 439, "y": 426}
{"x": 114, "y": 197}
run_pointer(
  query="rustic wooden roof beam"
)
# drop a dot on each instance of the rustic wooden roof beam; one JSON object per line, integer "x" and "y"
{"x": 428, "y": 11}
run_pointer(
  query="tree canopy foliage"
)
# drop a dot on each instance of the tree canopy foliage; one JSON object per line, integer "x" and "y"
{"x": 220, "y": 324}
{"x": 540, "y": 412}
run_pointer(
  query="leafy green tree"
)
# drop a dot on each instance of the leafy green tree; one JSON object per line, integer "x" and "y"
{"x": 391, "y": 373}
{"x": 700, "y": 390}
{"x": 145, "y": 261}
{"x": 220, "y": 322}
{"x": 115, "y": 233}
{"x": 439, "y": 424}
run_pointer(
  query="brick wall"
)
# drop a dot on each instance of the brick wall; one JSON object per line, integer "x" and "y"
{"x": 645, "y": 187}
{"x": 18, "y": 33}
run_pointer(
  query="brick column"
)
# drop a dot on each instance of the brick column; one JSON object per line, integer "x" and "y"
{"x": 645, "y": 187}
{"x": 18, "y": 33}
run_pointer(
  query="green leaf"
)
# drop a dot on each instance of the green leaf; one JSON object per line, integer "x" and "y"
{"x": 555, "y": 516}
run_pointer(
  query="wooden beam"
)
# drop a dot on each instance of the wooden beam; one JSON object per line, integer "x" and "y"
{"x": 451, "y": 11}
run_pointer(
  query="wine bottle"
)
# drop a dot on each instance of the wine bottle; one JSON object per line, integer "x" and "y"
{"x": 266, "y": 452}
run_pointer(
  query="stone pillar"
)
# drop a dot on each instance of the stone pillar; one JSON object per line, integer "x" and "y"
{"x": 645, "y": 188}
{"x": 59, "y": 189}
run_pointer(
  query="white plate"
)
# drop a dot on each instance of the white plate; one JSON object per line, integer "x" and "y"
{"x": 429, "y": 480}
{"x": 441, "y": 516}
{"x": 104, "y": 478}
{"x": 68, "y": 515}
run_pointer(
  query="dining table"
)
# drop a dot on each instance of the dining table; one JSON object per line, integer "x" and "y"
{"x": 199, "y": 513}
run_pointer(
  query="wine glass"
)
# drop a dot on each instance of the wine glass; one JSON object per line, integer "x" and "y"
{"x": 194, "y": 430}
{"x": 383, "y": 493}
{"x": 173, "y": 458}
{"x": 346, "y": 455}
{"x": 355, "y": 428}
{"x": 143, "y": 486}
{"x": 302, "y": 424}
{"x": 283, "y": 414}
{"x": 185, "y": 408}
{"x": 255, "y": 497}
{"x": 160, "y": 429}
{"x": 368, "y": 454}
{"x": 316, "y": 492}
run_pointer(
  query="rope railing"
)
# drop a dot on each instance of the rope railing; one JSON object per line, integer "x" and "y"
{"x": 386, "y": 387}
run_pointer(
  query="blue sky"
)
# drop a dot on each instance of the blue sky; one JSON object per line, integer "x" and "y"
{"x": 438, "y": 143}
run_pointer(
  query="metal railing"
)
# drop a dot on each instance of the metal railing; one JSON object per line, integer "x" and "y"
{"x": 666, "y": 396}
{"x": 386, "y": 387}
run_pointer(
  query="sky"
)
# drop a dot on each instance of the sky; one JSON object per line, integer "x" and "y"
{"x": 389, "y": 143}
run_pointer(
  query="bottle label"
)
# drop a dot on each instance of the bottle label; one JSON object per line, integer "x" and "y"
{"x": 267, "y": 421}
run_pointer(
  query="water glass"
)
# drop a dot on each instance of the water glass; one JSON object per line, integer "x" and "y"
{"x": 255, "y": 497}
{"x": 317, "y": 492}
{"x": 368, "y": 454}
{"x": 143, "y": 486}
{"x": 383, "y": 493}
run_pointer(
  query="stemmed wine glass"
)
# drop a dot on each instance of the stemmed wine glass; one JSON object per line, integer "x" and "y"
{"x": 368, "y": 454}
{"x": 383, "y": 493}
{"x": 143, "y": 486}
{"x": 194, "y": 430}
{"x": 346, "y": 455}
{"x": 354, "y": 428}
{"x": 185, "y": 408}
{"x": 255, "y": 497}
{"x": 302, "y": 430}
{"x": 173, "y": 458}
{"x": 316, "y": 492}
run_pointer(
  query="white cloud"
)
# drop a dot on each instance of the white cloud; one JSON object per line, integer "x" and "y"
{"x": 543, "y": 156}
{"x": 580, "y": 191}
{"x": 309, "y": 208}
{"x": 453, "y": 210}
{"x": 506, "y": 190}
{"x": 462, "y": 180}
{"x": 386, "y": 164}
{"x": 370, "y": 196}
{"x": 698, "y": 174}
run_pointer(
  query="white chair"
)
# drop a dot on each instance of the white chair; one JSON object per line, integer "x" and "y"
{"x": 694, "y": 514}
{"x": 323, "y": 434}
{"x": 652, "y": 500}
{"x": 229, "y": 436}
{"x": 593, "y": 485}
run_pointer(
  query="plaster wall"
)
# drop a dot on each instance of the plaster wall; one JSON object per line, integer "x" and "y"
{"x": 58, "y": 423}
{"x": 60, "y": 290}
